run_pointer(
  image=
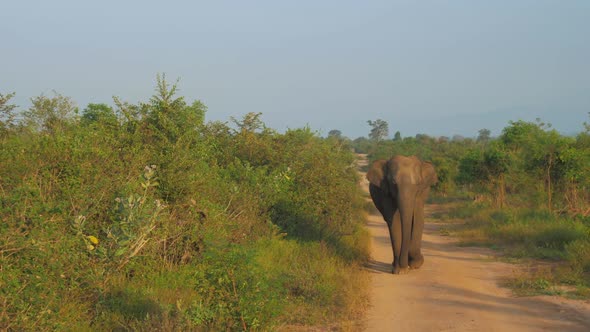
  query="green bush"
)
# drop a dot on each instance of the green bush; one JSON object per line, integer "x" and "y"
{"x": 578, "y": 253}
{"x": 558, "y": 236}
{"x": 144, "y": 217}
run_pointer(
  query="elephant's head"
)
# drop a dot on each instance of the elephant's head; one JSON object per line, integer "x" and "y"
{"x": 387, "y": 173}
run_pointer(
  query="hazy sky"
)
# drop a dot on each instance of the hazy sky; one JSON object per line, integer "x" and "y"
{"x": 434, "y": 67}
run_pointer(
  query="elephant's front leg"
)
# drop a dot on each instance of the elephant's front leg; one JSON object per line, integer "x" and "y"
{"x": 395, "y": 234}
{"x": 415, "y": 255}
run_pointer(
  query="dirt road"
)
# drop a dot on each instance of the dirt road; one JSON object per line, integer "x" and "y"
{"x": 457, "y": 290}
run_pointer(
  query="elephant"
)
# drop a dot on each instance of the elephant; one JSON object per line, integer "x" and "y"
{"x": 399, "y": 187}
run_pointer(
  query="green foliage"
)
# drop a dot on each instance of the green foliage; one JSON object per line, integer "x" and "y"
{"x": 578, "y": 253}
{"x": 528, "y": 286}
{"x": 529, "y": 165}
{"x": 484, "y": 171}
{"x": 7, "y": 115}
{"x": 335, "y": 133}
{"x": 224, "y": 230}
{"x": 250, "y": 123}
{"x": 99, "y": 115}
{"x": 471, "y": 167}
{"x": 236, "y": 292}
{"x": 50, "y": 113}
{"x": 362, "y": 145}
{"x": 484, "y": 136}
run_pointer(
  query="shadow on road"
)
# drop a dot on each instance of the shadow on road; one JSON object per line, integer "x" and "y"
{"x": 374, "y": 266}
{"x": 531, "y": 308}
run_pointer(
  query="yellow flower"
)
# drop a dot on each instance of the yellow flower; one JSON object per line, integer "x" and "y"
{"x": 92, "y": 239}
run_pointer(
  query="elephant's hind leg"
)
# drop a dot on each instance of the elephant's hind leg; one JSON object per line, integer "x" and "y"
{"x": 416, "y": 261}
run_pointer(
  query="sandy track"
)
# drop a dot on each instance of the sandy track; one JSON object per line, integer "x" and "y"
{"x": 457, "y": 290}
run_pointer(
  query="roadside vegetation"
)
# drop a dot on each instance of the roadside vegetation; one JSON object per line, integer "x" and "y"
{"x": 147, "y": 217}
{"x": 525, "y": 193}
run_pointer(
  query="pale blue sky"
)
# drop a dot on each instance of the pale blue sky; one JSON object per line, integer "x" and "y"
{"x": 434, "y": 67}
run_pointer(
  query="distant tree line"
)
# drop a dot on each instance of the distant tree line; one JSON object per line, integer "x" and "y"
{"x": 528, "y": 164}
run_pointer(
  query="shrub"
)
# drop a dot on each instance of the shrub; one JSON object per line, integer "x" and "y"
{"x": 578, "y": 253}
{"x": 94, "y": 239}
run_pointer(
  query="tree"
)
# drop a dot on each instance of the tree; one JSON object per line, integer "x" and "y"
{"x": 443, "y": 139}
{"x": 397, "y": 137}
{"x": 458, "y": 138}
{"x": 99, "y": 114}
{"x": 361, "y": 145}
{"x": 573, "y": 165}
{"x": 484, "y": 136}
{"x": 545, "y": 155}
{"x": 50, "y": 113}
{"x": 486, "y": 168}
{"x": 538, "y": 149}
{"x": 444, "y": 171}
{"x": 519, "y": 134}
{"x": 471, "y": 168}
{"x": 496, "y": 162}
{"x": 172, "y": 117}
{"x": 253, "y": 140}
{"x": 251, "y": 122}
{"x": 6, "y": 112}
{"x": 379, "y": 130}
{"x": 335, "y": 133}
{"x": 424, "y": 139}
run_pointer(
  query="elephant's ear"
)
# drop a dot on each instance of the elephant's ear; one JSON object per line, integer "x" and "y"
{"x": 376, "y": 174}
{"x": 429, "y": 177}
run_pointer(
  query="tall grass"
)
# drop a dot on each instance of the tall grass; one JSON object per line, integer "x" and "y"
{"x": 532, "y": 234}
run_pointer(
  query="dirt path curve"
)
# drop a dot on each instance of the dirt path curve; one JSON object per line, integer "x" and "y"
{"x": 457, "y": 290}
